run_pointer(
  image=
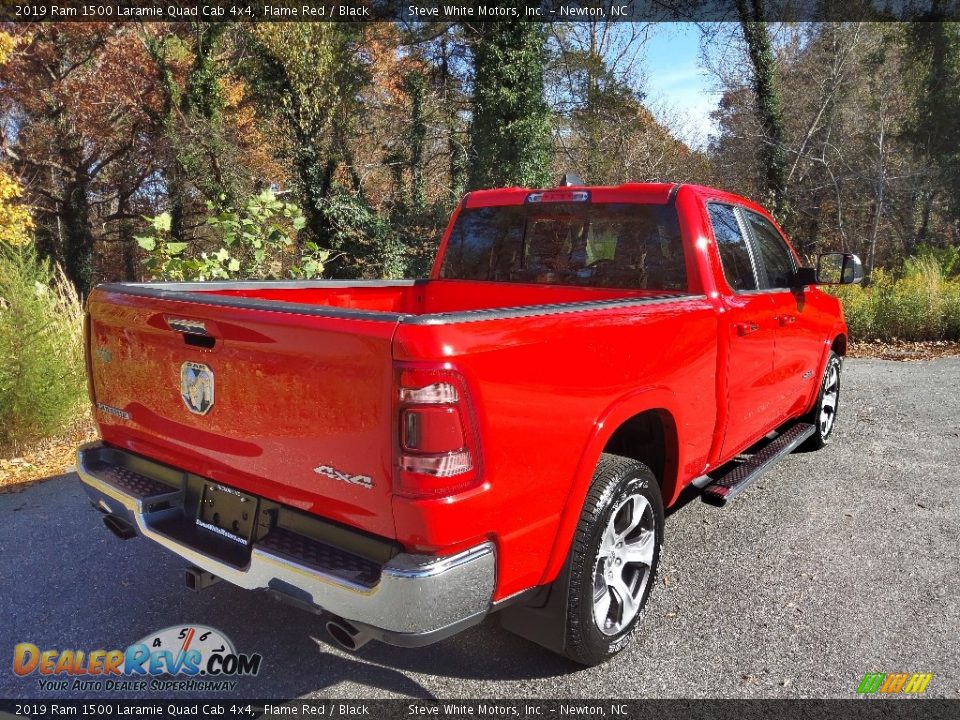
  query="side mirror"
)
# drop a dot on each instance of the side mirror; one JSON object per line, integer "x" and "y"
{"x": 838, "y": 269}
{"x": 832, "y": 269}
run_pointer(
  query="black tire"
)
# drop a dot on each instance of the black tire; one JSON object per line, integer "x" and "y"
{"x": 620, "y": 486}
{"x": 821, "y": 436}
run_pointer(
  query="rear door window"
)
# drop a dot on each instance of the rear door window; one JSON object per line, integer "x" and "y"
{"x": 733, "y": 249}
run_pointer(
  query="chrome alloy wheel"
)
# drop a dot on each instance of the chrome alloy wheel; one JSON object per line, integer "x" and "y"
{"x": 828, "y": 405}
{"x": 623, "y": 565}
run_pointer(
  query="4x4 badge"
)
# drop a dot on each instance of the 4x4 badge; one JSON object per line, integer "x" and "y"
{"x": 330, "y": 472}
{"x": 196, "y": 387}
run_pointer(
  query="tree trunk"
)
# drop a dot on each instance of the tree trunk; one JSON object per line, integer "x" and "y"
{"x": 769, "y": 105}
{"x": 924, "y": 230}
{"x": 456, "y": 152}
{"x": 176, "y": 192}
{"x": 417, "y": 88}
{"x": 128, "y": 245}
{"x": 78, "y": 256}
{"x": 879, "y": 192}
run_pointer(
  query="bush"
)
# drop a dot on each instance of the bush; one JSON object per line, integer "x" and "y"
{"x": 257, "y": 240}
{"x": 365, "y": 243}
{"x": 16, "y": 223}
{"x": 920, "y": 305}
{"x": 42, "y": 373}
{"x": 858, "y": 308}
{"x": 948, "y": 258}
{"x": 951, "y": 310}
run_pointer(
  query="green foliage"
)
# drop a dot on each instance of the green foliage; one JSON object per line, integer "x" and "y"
{"x": 510, "y": 131}
{"x": 257, "y": 240}
{"x": 420, "y": 235}
{"x": 312, "y": 75}
{"x": 948, "y": 258}
{"x": 42, "y": 385}
{"x": 934, "y": 48}
{"x": 367, "y": 243}
{"x": 920, "y": 305}
{"x": 191, "y": 119}
{"x": 313, "y": 71}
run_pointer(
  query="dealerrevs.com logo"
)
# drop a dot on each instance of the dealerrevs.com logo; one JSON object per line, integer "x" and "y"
{"x": 894, "y": 683}
{"x": 180, "y": 657}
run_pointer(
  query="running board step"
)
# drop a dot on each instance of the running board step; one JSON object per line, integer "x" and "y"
{"x": 734, "y": 482}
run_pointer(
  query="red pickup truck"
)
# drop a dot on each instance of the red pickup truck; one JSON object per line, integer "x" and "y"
{"x": 406, "y": 457}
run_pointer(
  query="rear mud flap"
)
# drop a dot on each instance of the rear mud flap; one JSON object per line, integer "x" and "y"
{"x": 543, "y": 619}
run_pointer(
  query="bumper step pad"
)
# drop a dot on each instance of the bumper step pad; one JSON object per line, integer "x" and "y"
{"x": 320, "y": 556}
{"x": 132, "y": 483}
{"x": 734, "y": 482}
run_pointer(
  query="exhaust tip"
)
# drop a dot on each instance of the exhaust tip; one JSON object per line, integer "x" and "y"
{"x": 346, "y": 635}
{"x": 341, "y": 635}
{"x": 119, "y": 527}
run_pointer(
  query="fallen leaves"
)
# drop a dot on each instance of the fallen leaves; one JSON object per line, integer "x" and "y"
{"x": 903, "y": 350}
{"x": 48, "y": 458}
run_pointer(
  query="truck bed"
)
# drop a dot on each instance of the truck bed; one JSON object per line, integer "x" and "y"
{"x": 303, "y": 375}
{"x": 383, "y": 299}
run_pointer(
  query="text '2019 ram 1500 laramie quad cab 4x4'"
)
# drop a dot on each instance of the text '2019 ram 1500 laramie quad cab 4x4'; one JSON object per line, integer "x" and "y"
{"x": 406, "y": 457}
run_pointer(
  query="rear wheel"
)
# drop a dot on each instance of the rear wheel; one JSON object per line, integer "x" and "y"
{"x": 823, "y": 416}
{"x": 614, "y": 559}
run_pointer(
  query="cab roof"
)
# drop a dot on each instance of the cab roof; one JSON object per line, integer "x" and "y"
{"x": 647, "y": 193}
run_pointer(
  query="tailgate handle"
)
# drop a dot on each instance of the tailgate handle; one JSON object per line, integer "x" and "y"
{"x": 201, "y": 341}
{"x": 194, "y": 332}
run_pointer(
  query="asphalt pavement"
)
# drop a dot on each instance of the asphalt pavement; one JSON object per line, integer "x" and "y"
{"x": 834, "y": 564}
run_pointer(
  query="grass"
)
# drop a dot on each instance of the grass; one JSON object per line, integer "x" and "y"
{"x": 42, "y": 374}
{"x": 921, "y": 305}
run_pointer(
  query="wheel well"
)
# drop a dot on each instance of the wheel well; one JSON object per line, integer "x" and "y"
{"x": 839, "y": 345}
{"x": 651, "y": 438}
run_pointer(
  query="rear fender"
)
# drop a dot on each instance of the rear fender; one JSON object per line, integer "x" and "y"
{"x": 639, "y": 401}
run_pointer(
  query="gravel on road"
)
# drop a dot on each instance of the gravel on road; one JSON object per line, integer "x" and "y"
{"x": 833, "y": 564}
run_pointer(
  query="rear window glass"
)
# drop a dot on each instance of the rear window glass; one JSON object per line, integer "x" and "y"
{"x": 595, "y": 245}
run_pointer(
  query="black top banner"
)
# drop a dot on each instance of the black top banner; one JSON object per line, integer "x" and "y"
{"x": 473, "y": 11}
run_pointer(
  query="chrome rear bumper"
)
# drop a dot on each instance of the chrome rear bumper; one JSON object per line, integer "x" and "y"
{"x": 416, "y": 600}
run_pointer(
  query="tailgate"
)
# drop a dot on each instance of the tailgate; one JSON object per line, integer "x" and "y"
{"x": 289, "y": 406}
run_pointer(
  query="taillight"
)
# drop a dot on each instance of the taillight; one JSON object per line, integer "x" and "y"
{"x": 437, "y": 445}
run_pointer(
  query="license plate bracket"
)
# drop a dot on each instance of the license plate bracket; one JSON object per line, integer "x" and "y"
{"x": 228, "y": 512}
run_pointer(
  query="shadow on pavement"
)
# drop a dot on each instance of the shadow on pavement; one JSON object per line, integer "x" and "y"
{"x": 68, "y": 583}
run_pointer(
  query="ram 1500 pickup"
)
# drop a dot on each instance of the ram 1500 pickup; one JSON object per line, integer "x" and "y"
{"x": 406, "y": 457}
